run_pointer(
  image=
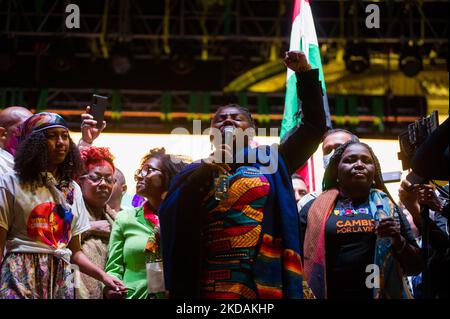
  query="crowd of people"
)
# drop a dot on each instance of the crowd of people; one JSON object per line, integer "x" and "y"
{"x": 213, "y": 229}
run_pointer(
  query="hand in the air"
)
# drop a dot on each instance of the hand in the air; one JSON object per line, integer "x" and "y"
{"x": 89, "y": 130}
{"x": 296, "y": 61}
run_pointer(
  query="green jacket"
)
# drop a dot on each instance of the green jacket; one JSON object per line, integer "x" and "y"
{"x": 127, "y": 259}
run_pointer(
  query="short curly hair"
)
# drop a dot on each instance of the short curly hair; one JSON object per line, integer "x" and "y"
{"x": 96, "y": 155}
{"x": 169, "y": 167}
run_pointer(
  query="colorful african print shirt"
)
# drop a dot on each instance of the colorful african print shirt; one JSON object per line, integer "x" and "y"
{"x": 232, "y": 232}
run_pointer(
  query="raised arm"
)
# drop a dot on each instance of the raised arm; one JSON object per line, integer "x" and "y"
{"x": 302, "y": 141}
{"x": 89, "y": 130}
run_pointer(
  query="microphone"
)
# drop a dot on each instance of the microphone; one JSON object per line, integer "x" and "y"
{"x": 228, "y": 132}
{"x": 221, "y": 182}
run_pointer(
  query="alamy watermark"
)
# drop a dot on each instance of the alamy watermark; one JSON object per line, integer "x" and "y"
{"x": 373, "y": 279}
{"x": 373, "y": 19}
{"x": 265, "y": 155}
{"x": 73, "y": 19}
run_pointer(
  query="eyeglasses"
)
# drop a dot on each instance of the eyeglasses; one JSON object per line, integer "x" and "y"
{"x": 96, "y": 179}
{"x": 142, "y": 173}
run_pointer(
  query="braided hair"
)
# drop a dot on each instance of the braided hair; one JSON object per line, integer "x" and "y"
{"x": 331, "y": 172}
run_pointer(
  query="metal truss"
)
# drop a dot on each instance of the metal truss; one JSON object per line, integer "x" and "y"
{"x": 217, "y": 24}
{"x": 142, "y": 111}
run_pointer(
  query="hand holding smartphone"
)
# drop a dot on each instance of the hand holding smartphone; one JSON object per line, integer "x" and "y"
{"x": 415, "y": 179}
{"x": 98, "y": 109}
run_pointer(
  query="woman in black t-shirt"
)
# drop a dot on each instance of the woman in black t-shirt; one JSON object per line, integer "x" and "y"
{"x": 356, "y": 242}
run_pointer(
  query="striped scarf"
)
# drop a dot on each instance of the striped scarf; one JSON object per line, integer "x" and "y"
{"x": 392, "y": 285}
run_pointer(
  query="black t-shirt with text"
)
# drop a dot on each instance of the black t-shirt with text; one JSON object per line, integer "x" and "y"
{"x": 350, "y": 247}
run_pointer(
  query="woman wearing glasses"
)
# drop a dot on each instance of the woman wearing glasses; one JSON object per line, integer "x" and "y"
{"x": 134, "y": 237}
{"x": 96, "y": 184}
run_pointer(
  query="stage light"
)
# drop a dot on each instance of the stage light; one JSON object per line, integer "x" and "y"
{"x": 356, "y": 57}
{"x": 61, "y": 53}
{"x": 121, "y": 60}
{"x": 410, "y": 61}
{"x": 182, "y": 63}
{"x": 433, "y": 57}
{"x": 121, "y": 63}
{"x": 237, "y": 64}
{"x": 62, "y": 63}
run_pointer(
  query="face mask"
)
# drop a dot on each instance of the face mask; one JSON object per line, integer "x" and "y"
{"x": 326, "y": 159}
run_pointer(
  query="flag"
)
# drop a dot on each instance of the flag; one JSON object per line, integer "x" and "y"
{"x": 303, "y": 38}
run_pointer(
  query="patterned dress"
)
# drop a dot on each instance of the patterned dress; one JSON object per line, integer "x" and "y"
{"x": 232, "y": 232}
{"x": 36, "y": 276}
{"x": 37, "y": 261}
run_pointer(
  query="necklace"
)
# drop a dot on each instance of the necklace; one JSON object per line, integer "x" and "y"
{"x": 348, "y": 210}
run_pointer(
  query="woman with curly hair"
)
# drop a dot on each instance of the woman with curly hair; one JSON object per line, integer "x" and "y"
{"x": 355, "y": 223}
{"x": 42, "y": 215}
{"x": 96, "y": 185}
{"x": 135, "y": 234}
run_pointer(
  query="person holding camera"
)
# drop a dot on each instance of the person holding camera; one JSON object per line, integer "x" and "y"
{"x": 435, "y": 151}
{"x": 437, "y": 263}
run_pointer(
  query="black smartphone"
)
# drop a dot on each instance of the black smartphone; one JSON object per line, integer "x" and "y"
{"x": 98, "y": 108}
{"x": 415, "y": 179}
{"x": 392, "y": 177}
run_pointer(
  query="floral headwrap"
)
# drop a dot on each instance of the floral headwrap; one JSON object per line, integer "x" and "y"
{"x": 40, "y": 122}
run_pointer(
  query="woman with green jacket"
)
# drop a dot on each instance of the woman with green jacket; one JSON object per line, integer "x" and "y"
{"x": 135, "y": 230}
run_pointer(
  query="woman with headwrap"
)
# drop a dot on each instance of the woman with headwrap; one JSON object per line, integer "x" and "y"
{"x": 357, "y": 244}
{"x": 42, "y": 215}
